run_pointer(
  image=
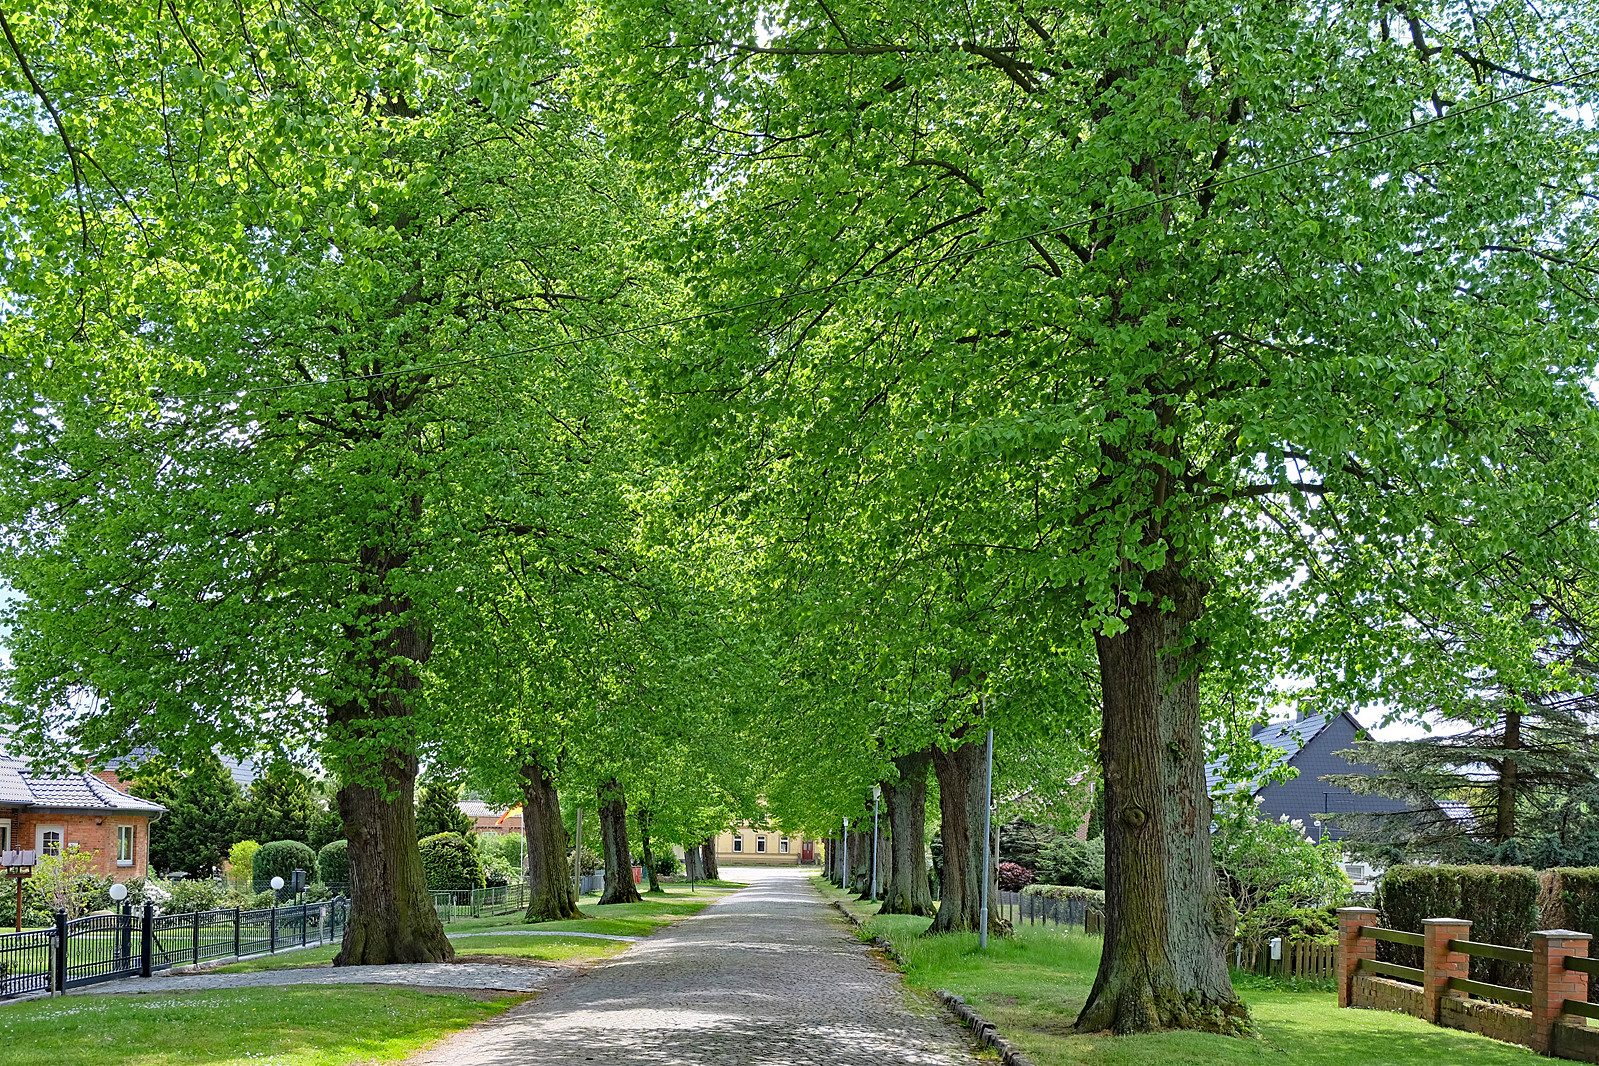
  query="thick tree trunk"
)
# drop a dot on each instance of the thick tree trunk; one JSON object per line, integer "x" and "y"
{"x": 1509, "y": 785}
{"x": 1166, "y": 920}
{"x": 391, "y": 911}
{"x": 648, "y": 852}
{"x": 549, "y": 876}
{"x": 873, "y": 853}
{"x": 961, "y": 802}
{"x": 619, "y": 887}
{"x": 713, "y": 872}
{"x": 906, "y": 799}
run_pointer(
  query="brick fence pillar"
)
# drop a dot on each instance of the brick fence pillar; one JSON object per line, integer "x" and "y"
{"x": 1552, "y": 983}
{"x": 1439, "y": 964}
{"x": 1352, "y": 947}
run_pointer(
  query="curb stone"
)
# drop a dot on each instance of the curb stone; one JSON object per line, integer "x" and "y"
{"x": 983, "y": 1029}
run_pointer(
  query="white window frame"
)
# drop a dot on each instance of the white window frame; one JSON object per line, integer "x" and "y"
{"x": 133, "y": 837}
{"x": 738, "y": 841}
{"x": 782, "y": 846}
{"x": 61, "y": 842}
{"x": 5, "y": 834}
{"x": 760, "y": 845}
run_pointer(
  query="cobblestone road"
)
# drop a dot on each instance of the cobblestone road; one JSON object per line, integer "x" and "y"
{"x": 764, "y": 977}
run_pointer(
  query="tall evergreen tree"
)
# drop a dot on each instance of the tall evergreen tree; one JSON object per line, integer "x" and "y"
{"x": 438, "y": 810}
{"x": 280, "y": 806}
{"x": 205, "y": 807}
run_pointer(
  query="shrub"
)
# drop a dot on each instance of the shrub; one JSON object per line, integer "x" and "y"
{"x": 1500, "y": 902}
{"x": 1013, "y": 877}
{"x": 280, "y": 859}
{"x": 1568, "y": 898}
{"x": 67, "y": 882}
{"x": 1072, "y": 862}
{"x": 450, "y": 863}
{"x": 497, "y": 871}
{"x": 1271, "y": 862}
{"x": 192, "y": 895}
{"x": 1092, "y": 896}
{"x": 317, "y": 892}
{"x": 333, "y": 863}
{"x": 241, "y": 863}
{"x": 666, "y": 864}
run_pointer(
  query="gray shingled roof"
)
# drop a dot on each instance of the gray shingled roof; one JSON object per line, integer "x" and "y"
{"x": 74, "y": 792}
{"x": 1287, "y": 737}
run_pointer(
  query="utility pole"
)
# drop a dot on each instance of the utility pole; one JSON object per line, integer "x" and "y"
{"x": 843, "y": 876}
{"x": 988, "y": 818}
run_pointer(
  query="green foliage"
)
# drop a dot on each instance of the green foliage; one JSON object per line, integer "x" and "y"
{"x": 1071, "y": 862}
{"x": 204, "y": 808}
{"x": 326, "y": 827}
{"x": 280, "y": 858}
{"x": 667, "y": 863}
{"x": 438, "y": 811}
{"x": 333, "y": 863}
{"x": 67, "y": 882}
{"x": 450, "y": 863}
{"x": 1264, "y": 861}
{"x": 281, "y": 805}
{"x": 1568, "y": 898}
{"x": 1087, "y": 895}
{"x": 241, "y": 863}
{"x": 1500, "y": 902}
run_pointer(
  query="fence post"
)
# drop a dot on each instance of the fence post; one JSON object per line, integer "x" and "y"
{"x": 147, "y": 940}
{"x": 125, "y": 933}
{"x": 61, "y": 949}
{"x": 1439, "y": 965}
{"x": 305, "y": 917}
{"x": 1552, "y": 983}
{"x": 195, "y": 924}
{"x": 272, "y": 936}
{"x": 1352, "y": 948}
{"x": 236, "y": 922}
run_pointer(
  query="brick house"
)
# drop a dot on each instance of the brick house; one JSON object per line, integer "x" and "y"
{"x": 44, "y": 814}
{"x": 496, "y": 821}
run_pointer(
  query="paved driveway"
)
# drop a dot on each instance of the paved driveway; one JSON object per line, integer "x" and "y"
{"x": 765, "y": 977}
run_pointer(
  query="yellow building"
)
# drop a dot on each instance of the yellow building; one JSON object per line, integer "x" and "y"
{"x": 746, "y": 845}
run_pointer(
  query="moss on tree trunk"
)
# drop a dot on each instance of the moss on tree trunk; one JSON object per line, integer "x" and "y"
{"x": 907, "y": 891}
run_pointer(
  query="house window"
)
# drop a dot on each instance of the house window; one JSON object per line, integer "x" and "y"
{"x": 50, "y": 837}
{"x": 760, "y": 843}
{"x": 5, "y": 834}
{"x": 1357, "y": 870}
{"x": 782, "y": 846}
{"x": 738, "y": 842}
{"x": 124, "y": 845}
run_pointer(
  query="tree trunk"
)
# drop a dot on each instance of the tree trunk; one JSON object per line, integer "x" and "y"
{"x": 1505, "y": 801}
{"x": 648, "y": 853}
{"x": 549, "y": 875}
{"x": 619, "y": 887}
{"x": 906, "y": 799}
{"x": 1166, "y": 921}
{"x": 391, "y": 910}
{"x": 872, "y": 853}
{"x": 961, "y": 802}
{"x": 692, "y": 866}
{"x": 713, "y": 872}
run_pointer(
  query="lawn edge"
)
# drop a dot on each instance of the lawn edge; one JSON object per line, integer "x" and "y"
{"x": 985, "y": 1031}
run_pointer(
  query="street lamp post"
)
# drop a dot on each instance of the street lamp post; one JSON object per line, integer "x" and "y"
{"x": 988, "y": 816}
{"x": 843, "y": 875}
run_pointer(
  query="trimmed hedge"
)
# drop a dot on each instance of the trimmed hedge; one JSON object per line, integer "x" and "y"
{"x": 333, "y": 863}
{"x": 1091, "y": 896}
{"x": 450, "y": 862}
{"x": 1500, "y": 902}
{"x": 1568, "y": 898}
{"x": 280, "y": 859}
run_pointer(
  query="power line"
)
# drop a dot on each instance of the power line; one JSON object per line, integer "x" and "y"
{"x": 871, "y": 275}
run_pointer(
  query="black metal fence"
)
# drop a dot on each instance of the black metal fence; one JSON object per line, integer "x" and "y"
{"x": 129, "y": 943}
{"x": 502, "y": 899}
{"x": 1025, "y": 908}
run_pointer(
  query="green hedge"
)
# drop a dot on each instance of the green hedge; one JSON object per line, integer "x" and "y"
{"x": 1500, "y": 902}
{"x": 450, "y": 863}
{"x": 280, "y": 859}
{"x": 1091, "y": 896}
{"x": 333, "y": 863}
{"x": 1568, "y": 898}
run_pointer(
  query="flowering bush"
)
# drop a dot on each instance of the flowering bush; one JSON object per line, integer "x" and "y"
{"x": 1271, "y": 863}
{"x": 1014, "y": 877}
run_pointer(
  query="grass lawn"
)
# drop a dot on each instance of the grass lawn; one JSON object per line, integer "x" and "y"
{"x": 1032, "y": 985}
{"x": 618, "y": 919}
{"x": 326, "y": 1025}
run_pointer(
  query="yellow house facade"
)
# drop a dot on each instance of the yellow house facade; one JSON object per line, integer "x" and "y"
{"x": 746, "y": 845}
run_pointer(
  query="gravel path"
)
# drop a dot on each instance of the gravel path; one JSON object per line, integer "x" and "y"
{"x": 764, "y": 977}
{"x": 547, "y": 932}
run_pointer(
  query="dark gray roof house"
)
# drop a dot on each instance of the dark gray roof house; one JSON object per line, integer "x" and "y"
{"x": 1310, "y": 744}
